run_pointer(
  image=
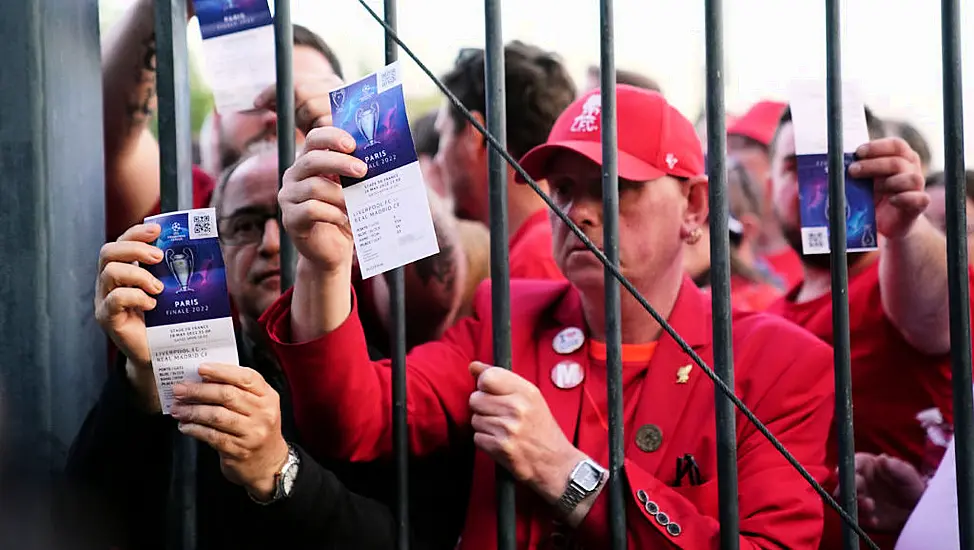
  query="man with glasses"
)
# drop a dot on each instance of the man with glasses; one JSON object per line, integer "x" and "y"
{"x": 127, "y": 418}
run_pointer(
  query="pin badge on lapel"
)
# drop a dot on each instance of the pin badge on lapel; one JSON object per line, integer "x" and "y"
{"x": 568, "y": 340}
{"x": 649, "y": 437}
{"x": 683, "y": 373}
{"x": 567, "y": 375}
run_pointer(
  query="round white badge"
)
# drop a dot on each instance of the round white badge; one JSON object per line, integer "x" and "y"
{"x": 567, "y": 375}
{"x": 568, "y": 340}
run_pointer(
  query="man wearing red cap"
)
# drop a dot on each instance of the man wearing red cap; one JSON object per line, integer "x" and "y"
{"x": 545, "y": 422}
{"x": 749, "y": 140}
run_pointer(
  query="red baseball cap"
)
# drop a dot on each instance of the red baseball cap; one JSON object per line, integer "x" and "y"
{"x": 654, "y": 139}
{"x": 759, "y": 122}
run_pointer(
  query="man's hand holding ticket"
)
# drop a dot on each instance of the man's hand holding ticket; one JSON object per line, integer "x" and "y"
{"x": 191, "y": 322}
{"x": 387, "y": 207}
{"x": 809, "y": 110}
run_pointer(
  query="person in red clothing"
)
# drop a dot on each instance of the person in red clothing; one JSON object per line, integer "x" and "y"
{"x": 748, "y": 142}
{"x": 545, "y": 422}
{"x": 538, "y": 90}
{"x": 751, "y": 287}
{"x": 898, "y": 302}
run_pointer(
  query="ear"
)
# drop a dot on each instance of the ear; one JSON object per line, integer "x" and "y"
{"x": 696, "y": 190}
{"x": 473, "y": 140}
{"x": 752, "y": 228}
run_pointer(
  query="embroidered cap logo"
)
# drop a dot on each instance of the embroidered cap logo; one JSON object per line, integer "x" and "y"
{"x": 588, "y": 120}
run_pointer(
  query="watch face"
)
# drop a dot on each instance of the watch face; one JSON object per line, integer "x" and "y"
{"x": 287, "y": 480}
{"x": 588, "y": 477}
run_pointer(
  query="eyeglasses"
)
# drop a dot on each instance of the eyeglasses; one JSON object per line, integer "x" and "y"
{"x": 245, "y": 227}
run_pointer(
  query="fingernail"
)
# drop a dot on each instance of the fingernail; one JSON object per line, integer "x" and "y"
{"x": 862, "y": 150}
{"x": 179, "y": 390}
{"x": 855, "y": 168}
{"x": 360, "y": 168}
{"x": 182, "y": 427}
{"x": 158, "y": 286}
{"x": 156, "y": 254}
{"x": 348, "y": 143}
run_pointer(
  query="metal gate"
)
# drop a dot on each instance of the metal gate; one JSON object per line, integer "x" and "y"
{"x": 174, "y": 133}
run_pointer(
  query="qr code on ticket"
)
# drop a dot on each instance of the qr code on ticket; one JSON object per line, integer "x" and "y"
{"x": 815, "y": 240}
{"x": 389, "y": 77}
{"x": 202, "y": 225}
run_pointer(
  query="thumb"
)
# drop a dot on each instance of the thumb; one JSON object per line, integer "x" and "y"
{"x": 267, "y": 99}
{"x": 477, "y": 368}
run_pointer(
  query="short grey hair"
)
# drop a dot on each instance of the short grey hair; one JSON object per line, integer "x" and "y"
{"x": 255, "y": 149}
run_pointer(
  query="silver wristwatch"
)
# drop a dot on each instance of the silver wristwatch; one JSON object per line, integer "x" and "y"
{"x": 284, "y": 480}
{"x": 583, "y": 481}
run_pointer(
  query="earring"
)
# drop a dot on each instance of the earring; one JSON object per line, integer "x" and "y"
{"x": 694, "y": 235}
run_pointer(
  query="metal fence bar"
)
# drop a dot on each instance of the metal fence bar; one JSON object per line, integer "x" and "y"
{"x": 720, "y": 278}
{"x": 284, "y": 49}
{"x": 600, "y": 256}
{"x": 613, "y": 311}
{"x": 957, "y": 274}
{"x": 840, "y": 273}
{"x": 496, "y": 102}
{"x": 397, "y": 285}
{"x": 176, "y": 193}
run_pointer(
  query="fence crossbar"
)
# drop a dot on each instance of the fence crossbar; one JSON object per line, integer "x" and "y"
{"x": 627, "y": 285}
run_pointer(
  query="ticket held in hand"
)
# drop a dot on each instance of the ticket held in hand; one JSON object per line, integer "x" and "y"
{"x": 238, "y": 50}
{"x": 191, "y": 323}
{"x": 809, "y": 110}
{"x": 388, "y": 208}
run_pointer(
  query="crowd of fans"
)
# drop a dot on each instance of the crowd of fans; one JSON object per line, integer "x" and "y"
{"x": 296, "y": 447}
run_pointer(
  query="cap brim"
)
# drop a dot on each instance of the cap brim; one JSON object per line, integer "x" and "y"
{"x": 535, "y": 161}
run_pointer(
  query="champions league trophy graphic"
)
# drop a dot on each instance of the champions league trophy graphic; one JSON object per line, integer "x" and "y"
{"x": 367, "y": 117}
{"x": 181, "y": 266}
{"x": 868, "y": 237}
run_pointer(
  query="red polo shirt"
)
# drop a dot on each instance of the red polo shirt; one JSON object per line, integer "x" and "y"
{"x": 530, "y": 250}
{"x": 787, "y": 264}
{"x": 891, "y": 380}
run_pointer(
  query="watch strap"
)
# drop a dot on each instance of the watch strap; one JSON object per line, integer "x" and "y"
{"x": 574, "y": 492}
{"x": 280, "y": 491}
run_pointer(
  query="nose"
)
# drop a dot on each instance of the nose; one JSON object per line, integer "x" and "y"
{"x": 270, "y": 243}
{"x": 585, "y": 211}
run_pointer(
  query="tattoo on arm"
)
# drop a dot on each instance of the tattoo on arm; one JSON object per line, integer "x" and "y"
{"x": 440, "y": 267}
{"x": 139, "y": 107}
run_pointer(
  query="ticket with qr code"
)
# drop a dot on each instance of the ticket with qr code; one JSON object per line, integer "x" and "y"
{"x": 191, "y": 323}
{"x": 388, "y": 208}
{"x": 808, "y": 103}
{"x": 239, "y": 60}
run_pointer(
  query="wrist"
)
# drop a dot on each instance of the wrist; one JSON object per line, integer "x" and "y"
{"x": 554, "y": 480}
{"x": 143, "y": 381}
{"x": 322, "y": 301}
{"x": 263, "y": 486}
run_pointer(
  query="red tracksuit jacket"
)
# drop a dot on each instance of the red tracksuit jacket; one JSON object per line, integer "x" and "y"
{"x": 343, "y": 405}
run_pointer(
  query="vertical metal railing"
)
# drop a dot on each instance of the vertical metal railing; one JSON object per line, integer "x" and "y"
{"x": 720, "y": 278}
{"x": 496, "y": 102}
{"x": 284, "y": 49}
{"x": 400, "y": 436}
{"x": 840, "y": 273}
{"x": 613, "y": 312}
{"x": 176, "y": 193}
{"x": 957, "y": 268}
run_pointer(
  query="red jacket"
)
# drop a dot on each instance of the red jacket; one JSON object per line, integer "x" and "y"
{"x": 343, "y": 405}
